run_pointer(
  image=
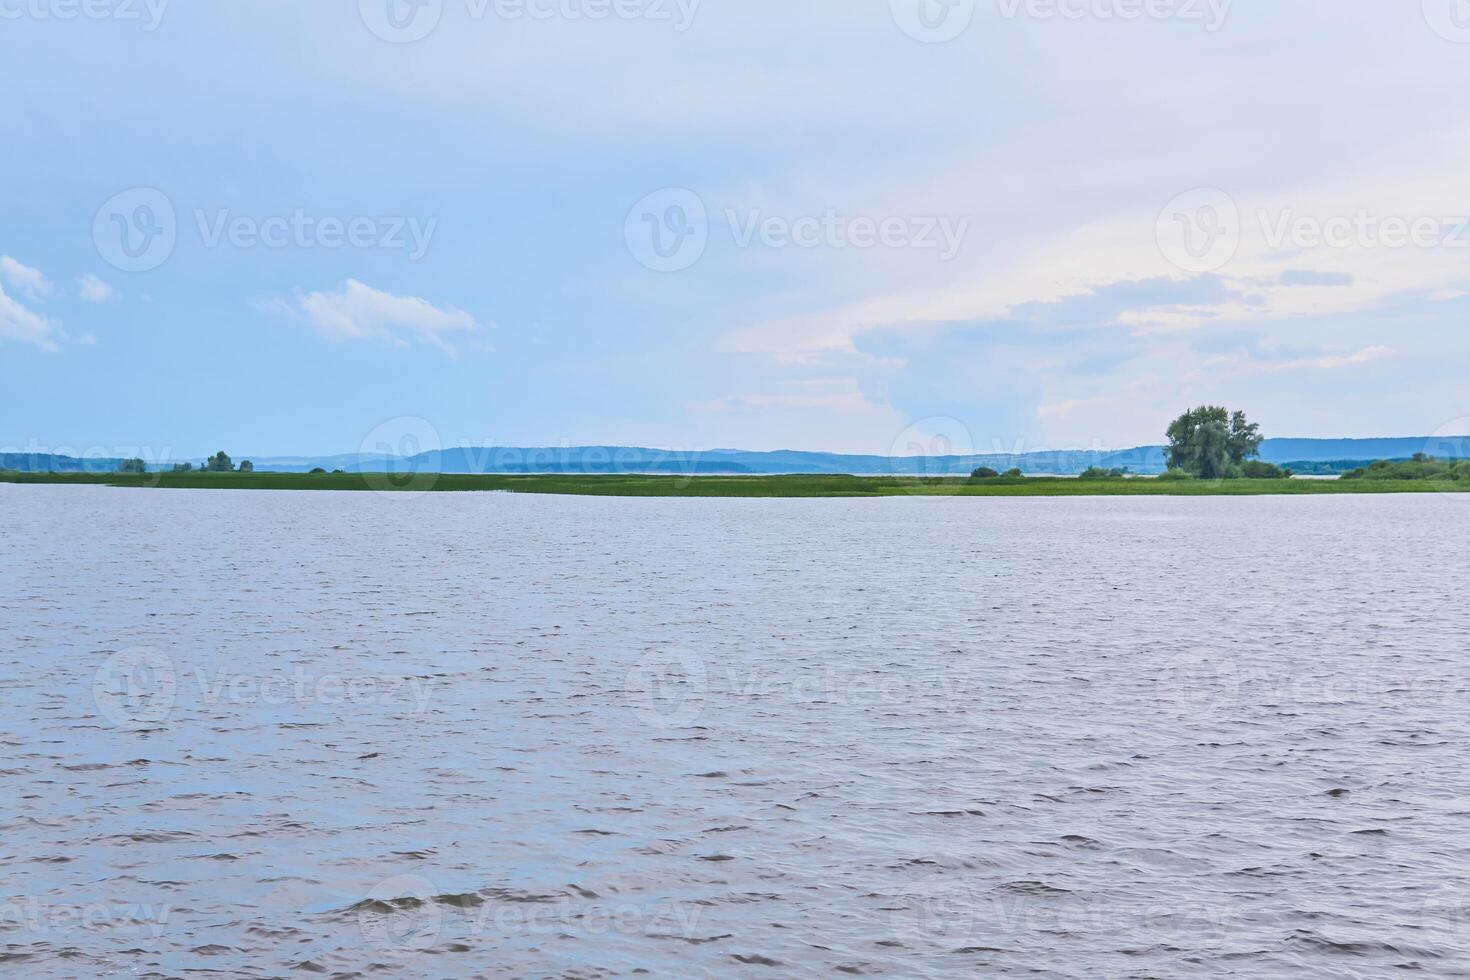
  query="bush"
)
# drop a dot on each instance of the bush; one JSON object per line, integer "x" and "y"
{"x": 1421, "y": 467}
{"x": 984, "y": 473}
{"x": 247, "y": 467}
{"x": 1015, "y": 474}
{"x": 133, "y": 465}
{"x": 1098, "y": 473}
{"x": 1255, "y": 469}
{"x": 1175, "y": 475}
{"x": 318, "y": 472}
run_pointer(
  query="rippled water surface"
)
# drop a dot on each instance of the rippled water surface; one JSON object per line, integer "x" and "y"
{"x": 256, "y": 734}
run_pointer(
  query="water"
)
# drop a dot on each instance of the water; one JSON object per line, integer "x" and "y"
{"x": 255, "y": 734}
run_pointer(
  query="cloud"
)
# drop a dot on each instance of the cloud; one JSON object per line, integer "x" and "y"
{"x": 94, "y": 290}
{"x": 1306, "y": 277}
{"x": 27, "y": 326}
{"x": 1331, "y": 362}
{"x": 836, "y": 395}
{"x": 23, "y": 278}
{"x": 360, "y": 312}
{"x": 1277, "y": 360}
{"x": 1062, "y": 409}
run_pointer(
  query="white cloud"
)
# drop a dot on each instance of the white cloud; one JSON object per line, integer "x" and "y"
{"x": 1054, "y": 260}
{"x": 1069, "y": 406}
{"x": 1332, "y": 362}
{"x": 94, "y": 290}
{"x": 24, "y": 278}
{"x": 360, "y": 312}
{"x": 836, "y": 395}
{"x": 27, "y": 326}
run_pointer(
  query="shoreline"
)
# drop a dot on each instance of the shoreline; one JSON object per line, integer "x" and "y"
{"x": 695, "y": 486}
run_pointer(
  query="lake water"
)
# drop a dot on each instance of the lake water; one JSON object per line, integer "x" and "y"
{"x": 256, "y": 734}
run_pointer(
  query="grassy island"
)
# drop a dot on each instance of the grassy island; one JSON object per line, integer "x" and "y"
{"x": 735, "y": 486}
{"x": 1212, "y": 452}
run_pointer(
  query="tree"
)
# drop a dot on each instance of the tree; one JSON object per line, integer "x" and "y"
{"x": 984, "y": 473}
{"x": 1245, "y": 438}
{"x": 133, "y": 465}
{"x": 183, "y": 467}
{"x": 1212, "y": 443}
{"x": 220, "y": 462}
{"x": 247, "y": 467}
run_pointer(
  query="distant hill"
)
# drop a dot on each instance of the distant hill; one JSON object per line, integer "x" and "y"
{"x": 48, "y": 463}
{"x": 1326, "y": 455}
{"x": 1325, "y": 450}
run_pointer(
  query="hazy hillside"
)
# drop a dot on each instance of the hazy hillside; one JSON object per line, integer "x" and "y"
{"x": 632, "y": 459}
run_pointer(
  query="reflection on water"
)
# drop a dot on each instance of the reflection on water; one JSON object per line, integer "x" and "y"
{"x": 259, "y": 733}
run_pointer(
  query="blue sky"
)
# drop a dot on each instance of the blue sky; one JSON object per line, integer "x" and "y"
{"x": 1015, "y": 223}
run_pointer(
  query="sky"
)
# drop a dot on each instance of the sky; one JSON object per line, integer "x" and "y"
{"x": 868, "y": 226}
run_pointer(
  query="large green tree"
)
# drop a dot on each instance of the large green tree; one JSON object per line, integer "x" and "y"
{"x": 1212, "y": 442}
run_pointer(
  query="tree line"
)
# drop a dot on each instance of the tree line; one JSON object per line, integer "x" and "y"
{"x": 1205, "y": 443}
{"x": 220, "y": 462}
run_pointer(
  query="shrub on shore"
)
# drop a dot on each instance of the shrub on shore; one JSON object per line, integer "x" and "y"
{"x": 1009, "y": 476}
{"x": 1421, "y": 467}
{"x": 1255, "y": 469}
